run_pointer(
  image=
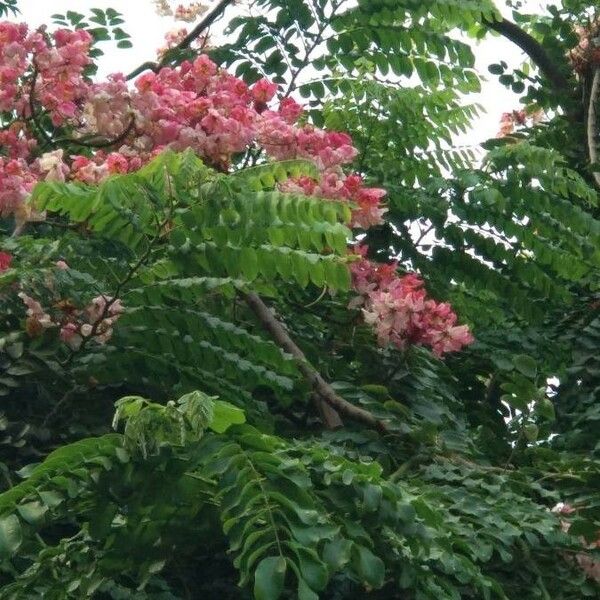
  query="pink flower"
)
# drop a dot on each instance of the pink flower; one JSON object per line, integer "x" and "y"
{"x": 290, "y": 110}
{"x": 68, "y": 332}
{"x": 5, "y": 260}
{"x": 117, "y": 163}
{"x": 51, "y": 164}
{"x": 263, "y": 91}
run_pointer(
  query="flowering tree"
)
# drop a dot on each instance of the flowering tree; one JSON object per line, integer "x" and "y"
{"x": 299, "y": 411}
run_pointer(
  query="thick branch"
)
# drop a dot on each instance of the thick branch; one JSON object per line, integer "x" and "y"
{"x": 592, "y": 125}
{"x": 546, "y": 64}
{"x": 319, "y": 385}
{"x": 186, "y": 42}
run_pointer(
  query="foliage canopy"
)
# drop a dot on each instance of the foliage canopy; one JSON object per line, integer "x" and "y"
{"x": 210, "y": 390}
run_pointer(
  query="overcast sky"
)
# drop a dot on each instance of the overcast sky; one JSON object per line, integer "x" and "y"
{"x": 147, "y": 30}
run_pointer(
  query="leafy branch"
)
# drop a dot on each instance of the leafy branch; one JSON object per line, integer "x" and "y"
{"x": 109, "y": 302}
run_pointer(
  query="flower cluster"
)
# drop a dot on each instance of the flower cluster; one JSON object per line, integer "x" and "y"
{"x": 587, "y": 52}
{"x": 336, "y": 185}
{"x": 400, "y": 311}
{"x": 189, "y": 13}
{"x": 518, "y": 118}
{"x": 95, "y": 320}
{"x": 46, "y": 71}
{"x": 195, "y": 105}
{"x": 181, "y": 13}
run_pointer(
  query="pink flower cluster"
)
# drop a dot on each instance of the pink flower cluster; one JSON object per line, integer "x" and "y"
{"x": 74, "y": 324}
{"x": 60, "y": 86}
{"x": 336, "y": 185}
{"x": 195, "y": 105}
{"x": 17, "y": 179}
{"x": 181, "y": 13}
{"x": 189, "y": 13}
{"x": 51, "y": 68}
{"x": 587, "y": 52}
{"x": 56, "y": 79}
{"x": 587, "y": 564}
{"x": 401, "y": 313}
{"x": 518, "y": 118}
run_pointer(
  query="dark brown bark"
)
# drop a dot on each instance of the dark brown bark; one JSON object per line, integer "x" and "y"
{"x": 331, "y": 404}
{"x": 546, "y": 64}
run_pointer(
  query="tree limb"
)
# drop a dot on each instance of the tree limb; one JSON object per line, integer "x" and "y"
{"x": 186, "y": 42}
{"x": 331, "y": 400}
{"x": 546, "y": 64}
{"x": 592, "y": 125}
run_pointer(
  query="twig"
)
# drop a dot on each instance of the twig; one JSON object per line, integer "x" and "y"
{"x": 592, "y": 125}
{"x": 423, "y": 234}
{"x": 332, "y": 404}
{"x": 186, "y": 42}
{"x": 90, "y": 143}
{"x": 56, "y": 408}
{"x": 33, "y": 116}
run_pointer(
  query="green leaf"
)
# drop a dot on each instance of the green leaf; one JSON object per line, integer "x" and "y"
{"x": 32, "y": 512}
{"x": 225, "y": 415}
{"x": 11, "y": 535}
{"x": 304, "y": 591}
{"x": 545, "y": 408}
{"x": 368, "y": 566}
{"x": 337, "y": 553}
{"x": 525, "y": 364}
{"x": 269, "y": 578}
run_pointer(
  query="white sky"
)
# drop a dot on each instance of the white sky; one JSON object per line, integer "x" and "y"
{"x": 147, "y": 31}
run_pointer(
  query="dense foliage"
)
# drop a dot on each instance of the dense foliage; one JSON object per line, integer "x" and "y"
{"x": 266, "y": 332}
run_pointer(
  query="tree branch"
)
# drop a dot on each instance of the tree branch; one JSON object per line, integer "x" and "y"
{"x": 186, "y": 42}
{"x": 592, "y": 125}
{"x": 546, "y": 64}
{"x": 332, "y": 403}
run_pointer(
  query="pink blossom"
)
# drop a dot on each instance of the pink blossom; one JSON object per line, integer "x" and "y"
{"x": 52, "y": 167}
{"x": 400, "y": 312}
{"x": 191, "y": 12}
{"x": 263, "y": 91}
{"x": 290, "y": 110}
{"x": 5, "y": 260}
{"x": 117, "y": 163}
{"x": 69, "y": 334}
